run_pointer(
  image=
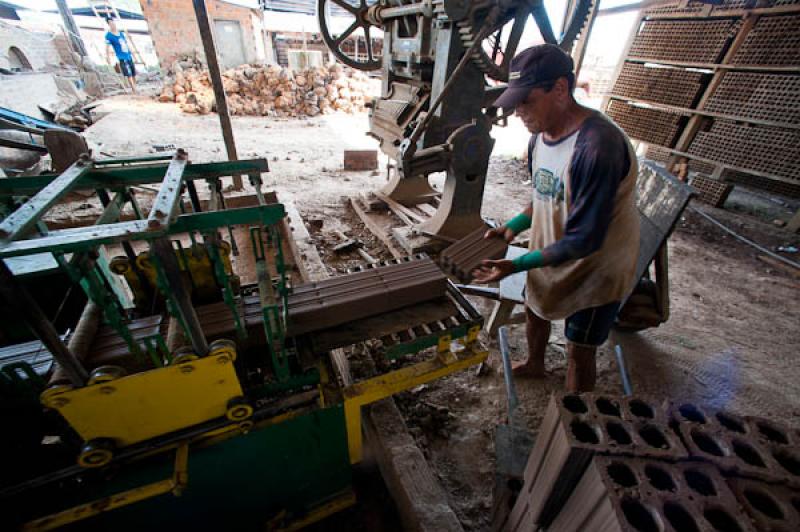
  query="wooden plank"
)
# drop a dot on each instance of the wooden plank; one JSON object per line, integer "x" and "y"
{"x": 687, "y": 111}
{"x": 726, "y": 13}
{"x": 309, "y": 263}
{"x": 420, "y": 499}
{"x": 717, "y": 66}
{"x": 427, "y": 208}
{"x": 736, "y": 168}
{"x": 403, "y": 212}
{"x": 375, "y": 229}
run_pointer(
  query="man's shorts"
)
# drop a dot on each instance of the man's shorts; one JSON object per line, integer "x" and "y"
{"x": 127, "y": 68}
{"x": 591, "y": 326}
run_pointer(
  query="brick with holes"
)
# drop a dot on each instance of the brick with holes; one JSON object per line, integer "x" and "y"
{"x": 733, "y": 454}
{"x": 619, "y": 494}
{"x": 568, "y": 437}
{"x": 770, "y": 507}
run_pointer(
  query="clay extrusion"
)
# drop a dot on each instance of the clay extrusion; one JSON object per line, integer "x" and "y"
{"x": 462, "y": 257}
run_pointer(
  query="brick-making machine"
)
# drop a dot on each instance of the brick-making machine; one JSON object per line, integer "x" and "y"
{"x": 146, "y": 381}
{"x": 441, "y": 67}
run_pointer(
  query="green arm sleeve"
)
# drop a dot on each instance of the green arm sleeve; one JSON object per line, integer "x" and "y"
{"x": 519, "y": 223}
{"x": 528, "y": 261}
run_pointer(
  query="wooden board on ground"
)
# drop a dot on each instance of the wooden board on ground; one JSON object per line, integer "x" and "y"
{"x": 378, "y": 228}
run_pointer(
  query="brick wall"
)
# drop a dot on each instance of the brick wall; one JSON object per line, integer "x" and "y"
{"x": 173, "y": 28}
{"x": 40, "y": 48}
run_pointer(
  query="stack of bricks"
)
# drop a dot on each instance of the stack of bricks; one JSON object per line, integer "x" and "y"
{"x": 610, "y": 463}
{"x": 711, "y": 191}
{"x": 461, "y": 258}
{"x": 331, "y": 302}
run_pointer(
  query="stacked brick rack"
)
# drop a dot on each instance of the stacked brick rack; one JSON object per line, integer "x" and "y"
{"x": 717, "y": 85}
{"x": 462, "y": 257}
{"x": 606, "y": 463}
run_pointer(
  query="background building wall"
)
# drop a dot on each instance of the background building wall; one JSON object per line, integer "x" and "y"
{"x": 173, "y": 28}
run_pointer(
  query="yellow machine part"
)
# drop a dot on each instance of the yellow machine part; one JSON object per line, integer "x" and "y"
{"x": 368, "y": 391}
{"x": 138, "y": 407}
{"x": 196, "y": 259}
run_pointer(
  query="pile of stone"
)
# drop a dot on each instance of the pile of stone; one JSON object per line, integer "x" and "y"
{"x": 271, "y": 90}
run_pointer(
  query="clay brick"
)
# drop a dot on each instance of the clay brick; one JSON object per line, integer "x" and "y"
{"x": 770, "y": 507}
{"x": 771, "y": 432}
{"x": 332, "y": 302}
{"x": 689, "y": 413}
{"x": 634, "y": 409}
{"x": 620, "y": 494}
{"x": 360, "y": 159}
{"x": 569, "y": 436}
{"x": 733, "y": 454}
{"x": 711, "y": 191}
{"x": 463, "y": 256}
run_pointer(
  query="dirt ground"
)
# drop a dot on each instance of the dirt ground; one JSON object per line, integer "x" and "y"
{"x": 731, "y": 341}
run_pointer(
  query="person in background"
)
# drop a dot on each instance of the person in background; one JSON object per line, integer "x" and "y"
{"x": 117, "y": 41}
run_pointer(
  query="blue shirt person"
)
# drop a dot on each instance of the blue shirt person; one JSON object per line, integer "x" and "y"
{"x": 118, "y": 42}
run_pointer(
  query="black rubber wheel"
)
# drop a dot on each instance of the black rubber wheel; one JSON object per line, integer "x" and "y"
{"x": 357, "y": 11}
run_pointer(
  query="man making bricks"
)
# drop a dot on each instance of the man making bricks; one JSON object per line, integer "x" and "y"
{"x": 584, "y": 238}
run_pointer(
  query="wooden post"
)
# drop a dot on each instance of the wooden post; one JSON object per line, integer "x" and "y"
{"x": 71, "y": 27}
{"x": 214, "y": 74}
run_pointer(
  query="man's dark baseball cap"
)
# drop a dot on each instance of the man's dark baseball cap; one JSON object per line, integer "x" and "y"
{"x": 533, "y": 67}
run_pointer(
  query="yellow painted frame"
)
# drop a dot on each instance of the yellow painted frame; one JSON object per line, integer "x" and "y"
{"x": 144, "y": 405}
{"x": 380, "y": 387}
{"x": 175, "y": 485}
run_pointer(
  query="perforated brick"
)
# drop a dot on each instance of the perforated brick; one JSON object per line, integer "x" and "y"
{"x": 463, "y": 256}
{"x": 770, "y": 150}
{"x": 695, "y": 41}
{"x": 691, "y": 413}
{"x": 774, "y": 40}
{"x": 733, "y": 454}
{"x": 670, "y": 86}
{"x": 624, "y": 494}
{"x": 774, "y": 97}
{"x": 657, "y": 153}
{"x": 645, "y": 124}
{"x": 634, "y": 409}
{"x": 711, "y": 191}
{"x": 772, "y": 432}
{"x": 574, "y": 429}
{"x": 770, "y": 507}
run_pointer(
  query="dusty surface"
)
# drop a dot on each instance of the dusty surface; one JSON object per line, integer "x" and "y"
{"x": 731, "y": 341}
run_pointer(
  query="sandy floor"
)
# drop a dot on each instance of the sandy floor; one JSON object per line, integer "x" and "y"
{"x": 731, "y": 342}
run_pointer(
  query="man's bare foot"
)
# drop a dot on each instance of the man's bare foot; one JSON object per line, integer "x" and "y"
{"x": 524, "y": 369}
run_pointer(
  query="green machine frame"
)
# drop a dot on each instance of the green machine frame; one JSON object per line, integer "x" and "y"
{"x": 280, "y": 455}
